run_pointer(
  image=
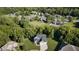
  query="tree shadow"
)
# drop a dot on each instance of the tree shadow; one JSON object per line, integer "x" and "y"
{"x": 60, "y": 45}
{"x": 32, "y": 38}
{"x": 76, "y": 24}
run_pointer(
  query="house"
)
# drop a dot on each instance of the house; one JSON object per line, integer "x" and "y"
{"x": 43, "y": 18}
{"x": 69, "y": 48}
{"x": 12, "y": 14}
{"x": 34, "y": 12}
{"x": 20, "y": 17}
{"x": 30, "y": 17}
{"x": 57, "y": 20}
{"x": 47, "y": 14}
{"x": 69, "y": 18}
{"x": 66, "y": 20}
{"x": 10, "y": 46}
{"x": 43, "y": 46}
{"x": 77, "y": 21}
{"x": 39, "y": 38}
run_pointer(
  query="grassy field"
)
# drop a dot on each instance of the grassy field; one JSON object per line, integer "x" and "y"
{"x": 51, "y": 44}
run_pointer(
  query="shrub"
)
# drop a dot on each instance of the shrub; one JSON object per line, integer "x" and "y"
{"x": 50, "y": 18}
{"x": 52, "y": 44}
{"x": 17, "y": 34}
{"x": 30, "y": 32}
{"x": 6, "y": 29}
{"x": 67, "y": 34}
{"x": 24, "y": 23}
{"x": 3, "y": 38}
{"x": 47, "y": 30}
{"x": 4, "y": 20}
{"x": 57, "y": 35}
{"x": 42, "y": 28}
{"x": 15, "y": 19}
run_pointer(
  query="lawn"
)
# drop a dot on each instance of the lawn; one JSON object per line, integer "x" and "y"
{"x": 52, "y": 44}
{"x": 70, "y": 24}
{"x": 28, "y": 45}
{"x": 38, "y": 23}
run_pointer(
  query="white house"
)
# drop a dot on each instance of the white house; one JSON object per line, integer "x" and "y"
{"x": 10, "y": 46}
{"x": 69, "y": 48}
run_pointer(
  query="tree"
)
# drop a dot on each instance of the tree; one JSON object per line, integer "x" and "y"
{"x": 17, "y": 34}
{"x": 5, "y": 20}
{"x": 24, "y": 23}
{"x": 3, "y": 38}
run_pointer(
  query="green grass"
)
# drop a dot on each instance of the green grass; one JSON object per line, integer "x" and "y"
{"x": 70, "y": 24}
{"x": 28, "y": 45}
{"x": 51, "y": 44}
{"x": 38, "y": 23}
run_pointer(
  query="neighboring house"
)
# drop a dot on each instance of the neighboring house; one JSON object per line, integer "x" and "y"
{"x": 20, "y": 17}
{"x": 47, "y": 14}
{"x": 69, "y": 18}
{"x": 43, "y": 46}
{"x": 12, "y": 15}
{"x": 30, "y": 17}
{"x": 69, "y": 48}
{"x": 34, "y": 12}
{"x": 57, "y": 16}
{"x": 76, "y": 21}
{"x": 10, "y": 46}
{"x": 66, "y": 20}
{"x": 57, "y": 20}
{"x": 39, "y": 38}
{"x": 43, "y": 18}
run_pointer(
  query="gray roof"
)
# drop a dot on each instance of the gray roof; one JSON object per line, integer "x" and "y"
{"x": 43, "y": 18}
{"x": 40, "y": 37}
{"x": 76, "y": 21}
{"x": 70, "y": 48}
{"x": 31, "y": 16}
{"x": 68, "y": 16}
{"x": 57, "y": 16}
